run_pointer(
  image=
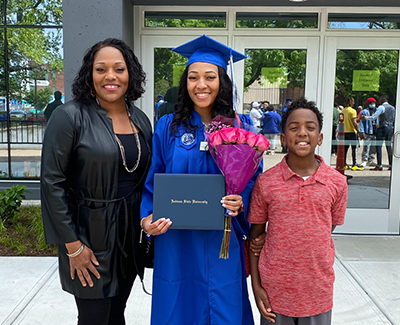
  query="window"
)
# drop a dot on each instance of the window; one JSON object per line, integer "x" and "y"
{"x": 276, "y": 20}
{"x": 31, "y": 43}
{"x": 185, "y": 19}
{"x": 363, "y": 21}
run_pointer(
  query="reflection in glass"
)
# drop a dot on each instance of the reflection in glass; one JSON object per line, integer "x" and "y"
{"x": 33, "y": 54}
{"x": 180, "y": 19}
{"x": 2, "y": 70}
{"x": 274, "y": 76}
{"x": 33, "y": 12}
{"x": 363, "y": 21}
{"x": 2, "y": 12}
{"x": 168, "y": 68}
{"x": 276, "y": 20}
{"x": 365, "y": 75}
{"x": 3, "y": 114}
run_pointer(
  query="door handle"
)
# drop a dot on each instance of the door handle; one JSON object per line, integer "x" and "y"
{"x": 396, "y": 149}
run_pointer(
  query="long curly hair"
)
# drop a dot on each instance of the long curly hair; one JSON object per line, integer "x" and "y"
{"x": 83, "y": 88}
{"x": 302, "y": 103}
{"x": 184, "y": 107}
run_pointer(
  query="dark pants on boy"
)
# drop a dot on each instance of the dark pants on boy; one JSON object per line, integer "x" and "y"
{"x": 320, "y": 319}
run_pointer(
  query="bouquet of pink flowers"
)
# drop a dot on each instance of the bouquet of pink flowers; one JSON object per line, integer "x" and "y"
{"x": 238, "y": 153}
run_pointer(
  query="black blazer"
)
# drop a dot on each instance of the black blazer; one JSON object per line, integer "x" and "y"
{"x": 79, "y": 176}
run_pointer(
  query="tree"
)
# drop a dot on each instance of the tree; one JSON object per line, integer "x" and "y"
{"x": 31, "y": 50}
{"x": 41, "y": 99}
{"x": 384, "y": 61}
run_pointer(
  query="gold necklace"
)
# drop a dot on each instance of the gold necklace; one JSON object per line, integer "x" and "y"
{"x": 122, "y": 149}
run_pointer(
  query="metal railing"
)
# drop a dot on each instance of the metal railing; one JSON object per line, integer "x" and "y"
{"x": 22, "y": 132}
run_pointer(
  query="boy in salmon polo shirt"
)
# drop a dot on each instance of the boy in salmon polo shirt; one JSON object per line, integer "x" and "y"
{"x": 302, "y": 199}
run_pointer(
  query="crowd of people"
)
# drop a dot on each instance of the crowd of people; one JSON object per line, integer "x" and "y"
{"x": 99, "y": 162}
{"x": 369, "y": 126}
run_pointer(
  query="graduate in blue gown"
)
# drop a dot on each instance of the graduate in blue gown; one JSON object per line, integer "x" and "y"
{"x": 191, "y": 284}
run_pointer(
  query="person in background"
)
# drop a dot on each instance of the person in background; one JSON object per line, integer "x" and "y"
{"x": 156, "y": 107}
{"x": 385, "y": 113}
{"x": 359, "y": 110}
{"x": 191, "y": 284}
{"x": 170, "y": 99}
{"x": 367, "y": 133}
{"x": 95, "y": 157}
{"x": 302, "y": 199}
{"x": 271, "y": 124}
{"x": 288, "y": 101}
{"x": 265, "y": 106}
{"x": 335, "y": 124}
{"x": 53, "y": 105}
{"x": 256, "y": 116}
{"x": 351, "y": 132}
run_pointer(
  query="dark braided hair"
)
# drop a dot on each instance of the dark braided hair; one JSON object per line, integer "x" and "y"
{"x": 301, "y": 103}
{"x": 184, "y": 107}
{"x": 82, "y": 87}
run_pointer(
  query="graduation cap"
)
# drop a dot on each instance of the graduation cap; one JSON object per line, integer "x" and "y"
{"x": 206, "y": 49}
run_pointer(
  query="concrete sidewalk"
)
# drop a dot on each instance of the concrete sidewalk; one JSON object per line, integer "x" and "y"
{"x": 367, "y": 287}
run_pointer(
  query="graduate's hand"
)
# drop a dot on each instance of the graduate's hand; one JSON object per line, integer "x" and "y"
{"x": 263, "y": 305}
{"x": 257, "y": 244}
{"x": 83, "y": 263}
{"x": 157, "y": 227}
{"x": 234, "y": 203}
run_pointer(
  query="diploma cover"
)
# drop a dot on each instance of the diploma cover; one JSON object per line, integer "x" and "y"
{"x": 191, "y": 201}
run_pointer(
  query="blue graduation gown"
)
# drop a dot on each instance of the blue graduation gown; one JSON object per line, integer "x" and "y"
{"x": 191, "y": 284}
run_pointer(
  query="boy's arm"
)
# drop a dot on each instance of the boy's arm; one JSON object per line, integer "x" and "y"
{"x": 260, "y": 294}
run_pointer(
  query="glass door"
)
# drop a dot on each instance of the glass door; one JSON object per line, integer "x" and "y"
{"x": 277, "y": 70}
{"x": 163, "y": 68}
{"x": 359, "y": 75}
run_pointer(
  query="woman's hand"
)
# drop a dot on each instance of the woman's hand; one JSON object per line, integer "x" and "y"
{"x": 257, "y": 244}
{"x": 82, "y": 263}
{"x": 157, "y": 227}
{"x": 233, "y": 203}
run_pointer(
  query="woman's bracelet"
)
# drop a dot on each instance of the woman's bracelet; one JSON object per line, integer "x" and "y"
{"x": 80, "y": 250}
{"x": 143, "y": 231}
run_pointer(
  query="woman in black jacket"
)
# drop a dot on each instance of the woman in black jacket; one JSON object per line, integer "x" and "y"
{"x": 95, "y": 157}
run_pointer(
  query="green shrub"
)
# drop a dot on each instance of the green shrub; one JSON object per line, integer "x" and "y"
{"x": 25, "y": 235}
{"x": 10, "y": 201}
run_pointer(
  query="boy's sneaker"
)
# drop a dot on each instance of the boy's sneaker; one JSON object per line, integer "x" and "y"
{"x": 346, "y": 167}
{"x": 363, "y": 164}
{"x": 357, "y": 167}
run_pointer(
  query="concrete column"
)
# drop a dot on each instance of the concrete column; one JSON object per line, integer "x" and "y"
{"x": 87, "y": 22}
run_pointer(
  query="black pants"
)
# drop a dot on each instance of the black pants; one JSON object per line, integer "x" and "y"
{"x": 107, "y": 311}
{"x": 334, "y": 139}
{"x": 110, "y": 311}
{"x": 384, "y": 133}
{"x": 351, "y": 140}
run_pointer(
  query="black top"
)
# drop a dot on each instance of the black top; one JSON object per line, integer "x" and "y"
{"x": 127, "y": 181}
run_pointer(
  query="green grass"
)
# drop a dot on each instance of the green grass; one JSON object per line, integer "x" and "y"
{"x": 24, "y": 236}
